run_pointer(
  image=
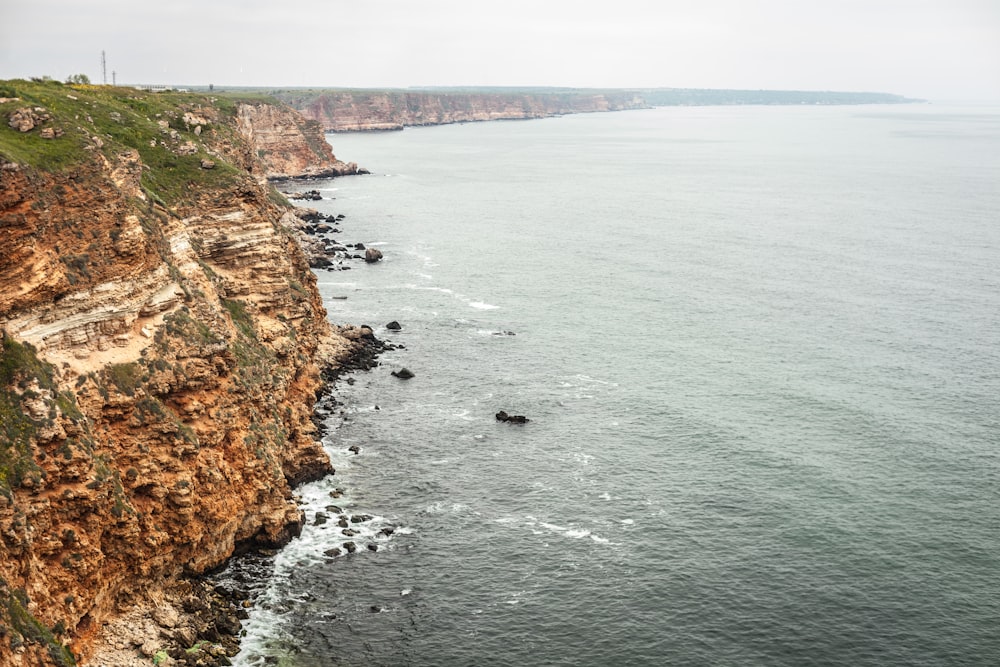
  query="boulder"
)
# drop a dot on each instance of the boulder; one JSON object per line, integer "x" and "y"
{"x": 502, "y": 416}
{"x": 394, "y": 326}
{"x": 355, "y": 449}
{"x": 403, "y": 374}
{"x": 351, "y": 547}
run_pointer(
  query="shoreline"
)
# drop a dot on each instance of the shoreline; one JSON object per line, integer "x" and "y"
{"x": 197, "y": 620}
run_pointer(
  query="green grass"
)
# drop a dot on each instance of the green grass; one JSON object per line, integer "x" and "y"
{"x": 19, "y": 367}
{"x": 123, "y": 118}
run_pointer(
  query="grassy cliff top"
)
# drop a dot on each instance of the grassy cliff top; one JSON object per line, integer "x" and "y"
{"x": 71, "y": 125}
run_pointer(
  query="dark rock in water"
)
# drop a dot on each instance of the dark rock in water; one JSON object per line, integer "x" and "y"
{"x": 502, "y": 416}
{"x": 403, "y": 373}
{"x": 334, "y": 508}
{"x": 374, "y": 609}
{"x": 355, "y": 449}
{"x": 373, "y": 255}
{"x": 340, "y": 216}
{"x": 388, "y": 531}
{"x": 348, "y": 532}
{"x": 394, "y": 326}
{"x": 372, "y": 547}
{"x": 319, "y": 263}
{"x": 359, "y": 246}
{"x": 336, "y": 493}
{"x": 323, "y": 229}
{"x": 359, "y": 518}
{"x": 320, "y": 519}
{"x": 312, "y": 195}
{"x": 333, "y": 552}
{"x": 343, "y": 523}
{"x": 351, "y": 547}
{"x": 504, "y": 333}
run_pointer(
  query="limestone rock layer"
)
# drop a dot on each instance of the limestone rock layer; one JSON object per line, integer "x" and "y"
{"x": 162, "y": 345}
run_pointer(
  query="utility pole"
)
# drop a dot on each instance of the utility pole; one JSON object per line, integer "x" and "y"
{"x": 104, "y": 68}
{"x": 114, "y": 79}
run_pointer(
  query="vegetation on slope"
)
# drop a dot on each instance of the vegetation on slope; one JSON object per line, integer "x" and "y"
{"x": 105, "y": 120}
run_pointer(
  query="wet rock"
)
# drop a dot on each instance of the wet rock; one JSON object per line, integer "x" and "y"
{"x": 389, "y": 530}
{"x": 372, "y": 547}
{"x": 502, "y": 416}
{"x": 320, "y": 519}
{"x": 355, "y": 449}
{"x": 333, "y": 553}
{"x": 336, "y": 493}
{"x": 351, "y": 547}
{"x": 348, "y": 532}
{"x": 343, "y": 522}
{"x": 394, "y": 326}
{"x": 403, "y": 374}
{"x": 373, "y": 255}
{"x": 334, "y": 508}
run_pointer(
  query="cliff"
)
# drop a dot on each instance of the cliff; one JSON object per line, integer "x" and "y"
{"x": 162, "y": 346}
{"x": 342, "y": 111}
{"x": 287, "y": 144}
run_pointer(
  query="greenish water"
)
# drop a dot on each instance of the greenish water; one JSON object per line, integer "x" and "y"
{"x": 760, "y": 348}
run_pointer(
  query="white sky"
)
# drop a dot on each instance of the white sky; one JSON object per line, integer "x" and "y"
{"x": 943, "y": 50}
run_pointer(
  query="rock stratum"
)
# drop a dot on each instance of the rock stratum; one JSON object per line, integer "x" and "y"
{"x": 351, "y": 111}
{"x": 367, "y": 110}
{"x": 162, "y": 348}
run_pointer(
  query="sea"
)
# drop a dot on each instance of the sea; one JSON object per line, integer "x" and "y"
{"x": 758, "y": 349}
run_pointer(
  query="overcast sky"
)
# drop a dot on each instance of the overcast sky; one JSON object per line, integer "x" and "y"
{"x": 938, "y": 49}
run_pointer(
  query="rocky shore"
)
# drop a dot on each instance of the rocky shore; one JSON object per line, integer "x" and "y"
{"x": 163, "y": 347}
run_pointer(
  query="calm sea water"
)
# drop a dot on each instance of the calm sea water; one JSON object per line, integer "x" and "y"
{"x": 760, "y": 349}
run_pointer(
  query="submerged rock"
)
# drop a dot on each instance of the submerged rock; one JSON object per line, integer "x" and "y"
{"x": 403, "y": 373}
{"x": 394, "y": 326}
{"x": 373, "y": 255}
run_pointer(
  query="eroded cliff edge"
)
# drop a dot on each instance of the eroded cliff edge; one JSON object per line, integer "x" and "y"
{"x": 346, "y": 111}
{"x": 162, "y": 347}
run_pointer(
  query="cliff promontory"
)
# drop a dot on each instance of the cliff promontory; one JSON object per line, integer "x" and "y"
{"x": 162, "y": 344}
{"x": 343, "y": 111}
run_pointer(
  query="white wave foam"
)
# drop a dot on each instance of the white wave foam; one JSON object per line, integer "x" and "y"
{"x": 577, "y": 533}
{"x": 405, "y": 591}
{"x": 479, "y": 305}
{"x": 605, "y": 496}
{"x": 628, "y": 522}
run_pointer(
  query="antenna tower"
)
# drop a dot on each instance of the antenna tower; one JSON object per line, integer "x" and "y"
{"x": 104, "y": 68}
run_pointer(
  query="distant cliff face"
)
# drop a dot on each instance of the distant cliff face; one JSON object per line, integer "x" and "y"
{"x": 392, "y": 110}
{"x": 162, "y": 341}
{"x": 287, "y": 144}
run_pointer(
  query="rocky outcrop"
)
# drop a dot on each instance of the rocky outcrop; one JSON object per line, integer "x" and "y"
{"x": 345, "y": 111}
{"x": 162, "y": 347}
{"x": 288, "y": 145}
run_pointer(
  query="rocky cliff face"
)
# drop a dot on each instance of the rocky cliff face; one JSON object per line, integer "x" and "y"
{"x": 162, "y": 343}
{"x": 287, "y": 144}
{"x": 342, "y": 111}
